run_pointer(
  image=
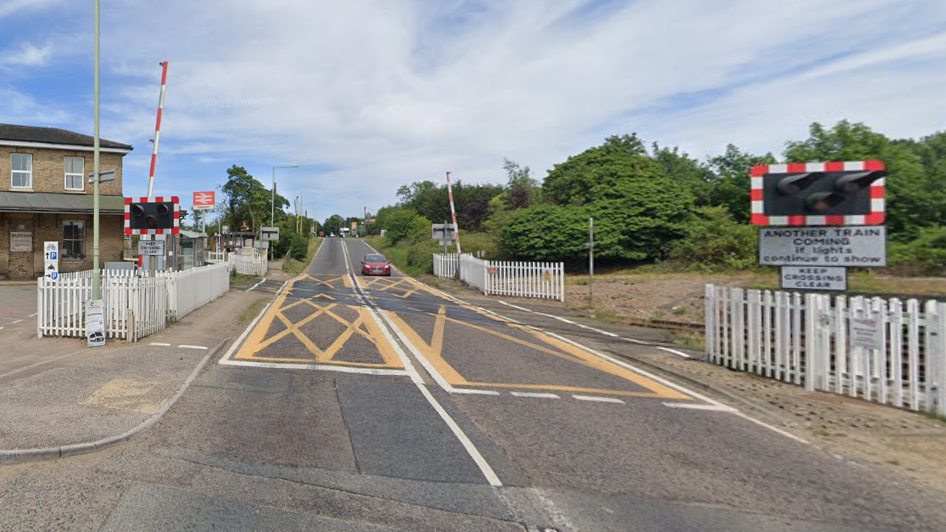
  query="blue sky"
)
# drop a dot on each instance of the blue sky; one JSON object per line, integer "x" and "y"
{"x": 367, "y": 95}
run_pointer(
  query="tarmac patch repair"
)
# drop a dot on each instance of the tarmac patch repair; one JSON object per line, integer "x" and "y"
{"x": 145, "y": 397}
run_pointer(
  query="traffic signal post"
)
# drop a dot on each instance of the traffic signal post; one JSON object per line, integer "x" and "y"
{"x": 834, "y": 213}
{"x": 158, "y": 217}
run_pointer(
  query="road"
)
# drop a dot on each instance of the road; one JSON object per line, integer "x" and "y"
{"x": 375, "y": 403}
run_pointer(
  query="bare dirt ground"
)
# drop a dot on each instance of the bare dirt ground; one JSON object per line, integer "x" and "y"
{"x": 911, "y": 447}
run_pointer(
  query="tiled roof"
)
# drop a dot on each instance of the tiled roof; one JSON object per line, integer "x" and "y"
{"x": 52, "y": 135}
{"x": 58, "y": 203}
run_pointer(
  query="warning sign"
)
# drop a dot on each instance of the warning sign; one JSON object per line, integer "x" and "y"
{"x": 823, "y": 246}
{"x": 814, "y": 278}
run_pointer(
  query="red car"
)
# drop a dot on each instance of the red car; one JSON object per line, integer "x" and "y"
{"x": 375, "y": 264}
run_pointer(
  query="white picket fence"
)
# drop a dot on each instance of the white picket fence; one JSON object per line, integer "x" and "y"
{"x": 255, "y": 264}
{"x": 191, "y": 289}
{"x": 214, "y": 257}
{"x": 134, "y": 307}
{"x": 887, "y": 351}
{"x": 445, "y": 265}
{"x": 544, "y": 280}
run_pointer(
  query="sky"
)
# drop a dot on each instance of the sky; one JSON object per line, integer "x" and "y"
{"x": 369, "y": 95}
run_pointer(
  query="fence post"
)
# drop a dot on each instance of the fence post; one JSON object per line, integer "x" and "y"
{"x": 709, "y": 322}
{"x": 937, "y": 361}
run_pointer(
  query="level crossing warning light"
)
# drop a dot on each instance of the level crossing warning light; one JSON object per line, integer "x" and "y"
{"x": 158, "y": 217}
{"x": 833, "y": 193}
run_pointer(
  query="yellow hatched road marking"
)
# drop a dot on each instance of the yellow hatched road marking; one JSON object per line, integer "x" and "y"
{"x": 433, "y": 352}
{"x": 363, "y": 325}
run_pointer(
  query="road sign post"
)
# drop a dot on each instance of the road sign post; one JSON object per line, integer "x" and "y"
{"x": 51, "y": 260}
{"x": 269, "y": 234}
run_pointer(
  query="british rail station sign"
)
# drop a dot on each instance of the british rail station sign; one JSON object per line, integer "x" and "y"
{"x": 852, "y": 246}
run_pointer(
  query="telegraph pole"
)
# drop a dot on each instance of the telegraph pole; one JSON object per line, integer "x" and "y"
{"x": 591, "y": 259}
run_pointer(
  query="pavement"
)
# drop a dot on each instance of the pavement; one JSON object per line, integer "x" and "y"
{"x": 61, "y": 397}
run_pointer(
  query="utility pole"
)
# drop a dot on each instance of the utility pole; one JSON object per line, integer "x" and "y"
{"x": 96, "y": 273}
{"x": 591, "y": 259}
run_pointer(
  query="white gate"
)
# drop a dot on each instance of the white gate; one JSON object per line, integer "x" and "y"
{"x": 887, "y": 351}
{"x": 445, "y": 265}
{"x": 134, "y": 307}
{"x": 506, "y": 278}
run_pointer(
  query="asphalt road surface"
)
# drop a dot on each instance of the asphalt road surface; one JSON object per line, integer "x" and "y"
{"x": 376, "y": 403}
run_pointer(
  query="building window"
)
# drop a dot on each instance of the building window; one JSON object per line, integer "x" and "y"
{"x": 73, "y": 240}
{"x": 22, "y": 170}
{"x": 75, "y": 169}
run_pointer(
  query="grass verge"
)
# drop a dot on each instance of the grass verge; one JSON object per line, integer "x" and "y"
{"x": 396, "y": 254}
{"x": 253, "y": 310}
{"x": 298, "y": 266}
{"x": 238, "y": 278}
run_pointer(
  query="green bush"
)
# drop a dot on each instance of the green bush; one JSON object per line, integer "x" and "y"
{"x": 924, "y": 255}
{"x": 300, "y": 243}
{"x": 715, "y": 241}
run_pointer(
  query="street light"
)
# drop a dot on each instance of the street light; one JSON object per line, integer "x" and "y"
{"x": 272, "y": 214}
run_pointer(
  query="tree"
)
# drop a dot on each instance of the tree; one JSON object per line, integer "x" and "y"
{"x": 593, "y": 174}
{"x": 248, "y": 199}
{"x": 915, "y": 198}
{"x": 688, "y": 172}
{"x": 333, "y": 224}
{"x": 637, "y": 206}
{"x": 399, "y": 222}
{"x": 715, "y": 241}
{"x": 426, "y": 198}
{"x": 547, "y": 233}
{"x": 472, "y": 202}
{"x": 521, "y": 189}
{"x": 729, "y": 181}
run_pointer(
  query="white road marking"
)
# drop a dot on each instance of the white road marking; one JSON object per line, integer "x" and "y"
{"x": 675, "y": 352}
{"x": 537, "y": 395}
{"x": 17, "y": 321}
{"x": 33, "y": 315}
{"x": 677, "y": 387}
{"x": 160, "y": 344}
{"x": 192, "y": 347}
{"x": 255, "y": 285}
{"x": 598, "y": 399}
{"x": 1, "y": 328}
{"x": 698, "y": 406}
{"x": 226, "y": 358}
{"x": 471, "y": 449}
{"x": 470, "y": 391}
{"x": 517, "y": 307}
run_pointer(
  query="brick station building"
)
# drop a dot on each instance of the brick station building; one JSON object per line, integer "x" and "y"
{"x": 45, "y": 196}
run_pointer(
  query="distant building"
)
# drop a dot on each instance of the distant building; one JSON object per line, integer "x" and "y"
{"x": 45, "y": 196}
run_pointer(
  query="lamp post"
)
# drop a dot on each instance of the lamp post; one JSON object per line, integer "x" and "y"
{"x": 272, "y": 214}
{"x": 96, "y": 274}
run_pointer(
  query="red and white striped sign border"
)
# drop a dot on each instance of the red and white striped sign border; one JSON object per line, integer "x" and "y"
{"x": 177, "y": 217}
{"x": 877, "y": 192}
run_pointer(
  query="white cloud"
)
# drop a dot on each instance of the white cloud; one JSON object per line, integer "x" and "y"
{"x": 12, "y": 7}
{"x": 28, "y": 54}
{"x": 385, "y": 93}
